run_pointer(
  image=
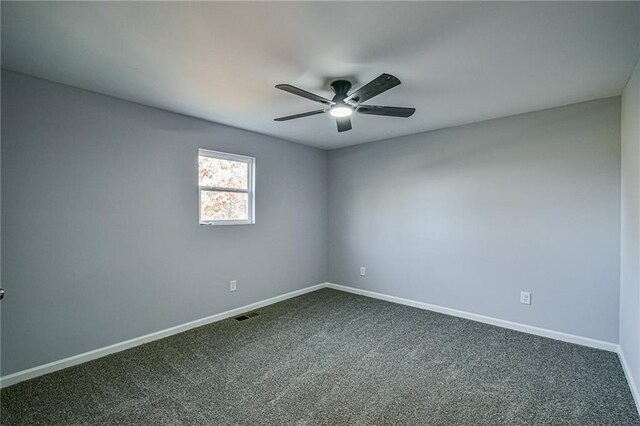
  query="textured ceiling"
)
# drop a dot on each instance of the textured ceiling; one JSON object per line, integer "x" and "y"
{"x": 458, "y": 62}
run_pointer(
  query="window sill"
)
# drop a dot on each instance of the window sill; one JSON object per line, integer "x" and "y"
{"x": 228, "y": 222}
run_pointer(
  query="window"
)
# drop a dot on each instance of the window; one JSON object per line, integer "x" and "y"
{"x": 225, "y": 183}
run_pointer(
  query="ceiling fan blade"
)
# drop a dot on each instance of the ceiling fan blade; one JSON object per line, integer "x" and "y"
{"x": 386, "y": 110}
{"x": 304, "y": 114}
{"x": 308, "y": 95}
{"x": 380, "y": 84}
{"x": 344, "y": 124}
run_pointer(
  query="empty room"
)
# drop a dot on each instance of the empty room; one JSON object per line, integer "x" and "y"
{"x": 320, "y": 213}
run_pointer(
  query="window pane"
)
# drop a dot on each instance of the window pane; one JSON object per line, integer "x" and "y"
{"x": 217, "y": 205}
{"x": 222, "y": 173}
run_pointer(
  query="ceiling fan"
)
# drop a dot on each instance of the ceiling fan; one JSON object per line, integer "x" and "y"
{"x": 343, "y": 105}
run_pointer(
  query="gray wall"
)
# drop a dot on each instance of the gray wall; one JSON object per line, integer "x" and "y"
{"x": 99, "y": 220}
{"x": 100, "y": 233}
{"x": 630, "y": 228}
{"x": 468, "y": 217}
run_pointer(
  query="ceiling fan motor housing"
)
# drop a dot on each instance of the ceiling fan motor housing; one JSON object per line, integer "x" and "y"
{"x": 340, "y": 88}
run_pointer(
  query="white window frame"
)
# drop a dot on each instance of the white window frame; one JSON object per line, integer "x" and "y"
{"x": 251, "y": 170}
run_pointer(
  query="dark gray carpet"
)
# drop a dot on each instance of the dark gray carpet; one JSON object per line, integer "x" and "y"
{"x": 333, "y": 358}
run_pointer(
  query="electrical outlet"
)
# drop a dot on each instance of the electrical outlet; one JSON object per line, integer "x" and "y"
{"x": 363, "y": 271}
{"x": 232, "y": 285}
{"x": 525, "y": 297}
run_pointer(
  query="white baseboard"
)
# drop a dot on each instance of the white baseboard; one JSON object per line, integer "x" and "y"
{"x": 40, "y": 370}
{"x": 630, "y": 381}
{"x": 30, "y": 373}
{"x": 565, "y": 337}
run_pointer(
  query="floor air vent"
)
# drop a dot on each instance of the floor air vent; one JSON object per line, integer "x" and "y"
{"x": 247, "y": 316}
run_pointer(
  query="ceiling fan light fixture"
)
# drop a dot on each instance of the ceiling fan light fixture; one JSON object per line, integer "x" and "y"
{"x": 341, "y": 111}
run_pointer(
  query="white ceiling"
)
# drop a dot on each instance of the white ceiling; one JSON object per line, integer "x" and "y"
{"x": 458, "y": 62}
